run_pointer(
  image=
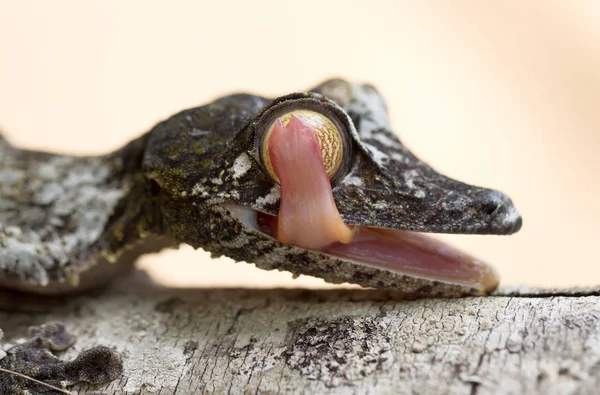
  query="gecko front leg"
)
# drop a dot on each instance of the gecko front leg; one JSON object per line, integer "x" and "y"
{"x": 32, "y": 368}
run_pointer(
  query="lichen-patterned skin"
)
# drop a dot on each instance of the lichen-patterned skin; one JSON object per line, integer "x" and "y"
{"x": 63, "y": 219}
{"x": 62, "y": 216}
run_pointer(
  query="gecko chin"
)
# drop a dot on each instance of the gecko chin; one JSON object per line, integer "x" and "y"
{"x": 406, "y": 253}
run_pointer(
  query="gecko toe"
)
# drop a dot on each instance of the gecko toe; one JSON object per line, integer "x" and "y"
{"x": 97, "y": 365}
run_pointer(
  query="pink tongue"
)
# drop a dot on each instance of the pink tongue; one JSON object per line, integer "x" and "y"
{"x": 308, "y": 216}
{"x": 416, "y": 254}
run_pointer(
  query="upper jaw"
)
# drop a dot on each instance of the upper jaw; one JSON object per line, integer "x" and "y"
{"x": 473, "y": 210}
{"x": 414, "y": 198}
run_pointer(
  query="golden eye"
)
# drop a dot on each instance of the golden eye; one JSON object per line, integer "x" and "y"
{"x": 328, "y": 136}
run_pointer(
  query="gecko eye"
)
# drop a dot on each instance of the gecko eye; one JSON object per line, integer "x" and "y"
{"x": 327, "y": 133}
{"x": 325, "y": 119}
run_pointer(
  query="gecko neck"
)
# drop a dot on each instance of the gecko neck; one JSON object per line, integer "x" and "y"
{"x": 65, "y": 219}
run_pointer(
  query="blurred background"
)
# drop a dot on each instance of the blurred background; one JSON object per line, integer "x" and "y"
{"x": 500, "y": 94}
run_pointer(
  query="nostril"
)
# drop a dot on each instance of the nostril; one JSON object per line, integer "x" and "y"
{"x": 491, "y": 208}
{"x": 498, "y": 211}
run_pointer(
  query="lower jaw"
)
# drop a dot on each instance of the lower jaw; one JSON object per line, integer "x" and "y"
{"x": 403, "y": 252}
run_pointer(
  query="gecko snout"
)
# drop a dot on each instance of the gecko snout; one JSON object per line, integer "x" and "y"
{"x": 501, "y": 211}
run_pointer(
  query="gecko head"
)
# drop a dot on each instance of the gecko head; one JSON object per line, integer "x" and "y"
{"x": 318, "y": 183}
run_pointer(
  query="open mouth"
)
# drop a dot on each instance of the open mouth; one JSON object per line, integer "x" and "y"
{"x": 303, "y": 151}
{"x": 403, "y": 252}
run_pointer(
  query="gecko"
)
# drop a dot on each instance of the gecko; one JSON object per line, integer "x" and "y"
{"x": 314, "y": 183}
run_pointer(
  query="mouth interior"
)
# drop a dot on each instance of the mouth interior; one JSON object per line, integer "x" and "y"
{"x": 404, "y": 252}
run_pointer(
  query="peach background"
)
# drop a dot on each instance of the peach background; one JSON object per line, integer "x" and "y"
{"x": 503, "y": 94}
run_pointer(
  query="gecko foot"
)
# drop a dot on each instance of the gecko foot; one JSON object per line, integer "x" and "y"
{"x": 35, "y": 370}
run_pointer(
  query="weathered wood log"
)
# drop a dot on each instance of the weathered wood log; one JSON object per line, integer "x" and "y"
{"x": 353, "y": 341}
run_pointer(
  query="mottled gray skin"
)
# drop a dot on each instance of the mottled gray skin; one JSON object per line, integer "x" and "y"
{"x": 63, "y": 219}
{"x": 61, "y": 216}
